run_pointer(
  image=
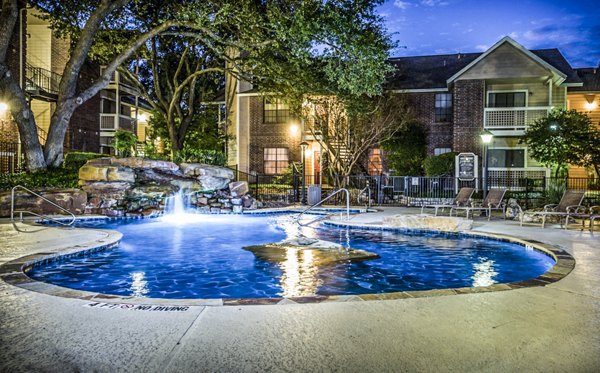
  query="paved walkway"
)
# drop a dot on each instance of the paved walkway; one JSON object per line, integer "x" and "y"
{"x": 552, "y": 328}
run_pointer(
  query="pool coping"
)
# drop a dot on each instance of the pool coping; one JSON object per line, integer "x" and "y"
{"x": 14, "y": 272}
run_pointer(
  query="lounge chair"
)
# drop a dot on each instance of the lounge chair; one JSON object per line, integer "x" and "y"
{"x": 594, "y": 214}
{"x": 569, "y": 205}
{"x": 493, "y": 201}
{"x": 461, "y": 199}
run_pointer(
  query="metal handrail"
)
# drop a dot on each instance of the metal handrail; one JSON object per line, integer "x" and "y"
{"x": 326, "y": 199}
{"x": 368, "y": 189}
{"x": 12, "y": 208}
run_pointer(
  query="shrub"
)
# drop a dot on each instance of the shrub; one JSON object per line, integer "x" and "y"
{"x": 191, "y": 155}
{"x": 125, "y": 143}
{"x": 75, "y": 160}
{"x": 51, "y": 178}
{"x": 440, "y": 165}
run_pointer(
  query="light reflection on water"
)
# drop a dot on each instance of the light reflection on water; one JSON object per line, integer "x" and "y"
{"x": 139, "y": 285}
{"x": 484, "y": 273}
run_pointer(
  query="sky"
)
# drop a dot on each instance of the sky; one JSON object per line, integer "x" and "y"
{"x": 424, "y": 27}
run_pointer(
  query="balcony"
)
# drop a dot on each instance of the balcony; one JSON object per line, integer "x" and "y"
{"x": 513, "y": 118}
{"x": 113, "y": 122}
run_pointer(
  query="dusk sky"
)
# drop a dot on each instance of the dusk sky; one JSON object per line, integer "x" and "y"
{"x": 451, "y": 26}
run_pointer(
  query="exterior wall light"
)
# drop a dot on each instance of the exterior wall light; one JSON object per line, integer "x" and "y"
{"x": 293, "y": 129}
{"x": 3, "y": 108}
{"x": 486, "y": 139}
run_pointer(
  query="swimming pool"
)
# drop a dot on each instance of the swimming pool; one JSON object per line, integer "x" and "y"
{"x": 162, "y": 258}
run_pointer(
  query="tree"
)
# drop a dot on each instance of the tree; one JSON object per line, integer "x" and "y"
{"x": 278, "y": 41}
{"x": 347, "y": 129}
{"x": 564, "y": 137}
{"x": 407, "y": 149}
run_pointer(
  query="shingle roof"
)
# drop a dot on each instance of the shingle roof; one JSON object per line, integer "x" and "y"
{"x": 590, "y": 76}
{"x": 430, "y": 72}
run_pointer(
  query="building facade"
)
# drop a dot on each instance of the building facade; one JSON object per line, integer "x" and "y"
{"x": 503, "y": 91}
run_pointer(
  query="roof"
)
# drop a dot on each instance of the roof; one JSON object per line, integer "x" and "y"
{"x": 433, "y": 72}
{"x": 590, "y": 76}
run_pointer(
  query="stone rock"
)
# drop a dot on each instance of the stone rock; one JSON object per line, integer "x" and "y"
{"x": 225, "y": 210}
{"x": 216, "y": 204}
{"x": 200, "y": 169}
{"x": 202, "y": 201}
{"x": 237, "y": 209}
{"x": 512, "y": 209}
{"x": 151, "y": 191}
{"x": 99, "y": 188}
{"x": 120, "y": 174}
{"x": 209, "y": 183}
{"x": 142, "y": 163}
{"x": 93, "y": 173}
{"x": 215, "y": 210}
{"x": 238, "y": 188}
{"x": 321, "y": 253}
{"x": 105, "y": 161}
{"x": 236, "y": 201}
{"x": 74, "y": 200}
{"x": 247, "y": 201}
{"x": 422, "y": 221}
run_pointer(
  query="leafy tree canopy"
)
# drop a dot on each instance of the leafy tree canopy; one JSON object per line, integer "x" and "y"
{"x": 564, "y": 137}
{"x": 407, "y": 149}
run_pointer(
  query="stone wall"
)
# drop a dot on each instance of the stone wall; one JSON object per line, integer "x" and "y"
{"x": 73, "y": 200}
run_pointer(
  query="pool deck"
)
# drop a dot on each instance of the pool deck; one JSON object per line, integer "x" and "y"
{"x": 550, "y": 328}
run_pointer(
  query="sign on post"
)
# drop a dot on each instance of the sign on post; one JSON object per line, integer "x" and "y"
{"x": 467, "y": 168}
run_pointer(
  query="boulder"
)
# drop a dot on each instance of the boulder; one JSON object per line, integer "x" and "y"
{"x": 429, "y": 222}
{"x": 208, "y": 183}
{"x": 200, "y": 169}
{"x": 321, "y": 253}
{"x": 74, "y": 200}
{"x": 99, "y": 187}
{"x": 238, "y": 188}
{"x": 93, "y": 173}
{"x": 125, "y": 174}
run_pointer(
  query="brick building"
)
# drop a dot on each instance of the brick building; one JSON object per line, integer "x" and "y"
{"x": 502, "y": 90}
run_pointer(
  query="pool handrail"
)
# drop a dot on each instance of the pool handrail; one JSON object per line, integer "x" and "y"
{"x": 326, "y": 199}
{"x": 21, "y": 212}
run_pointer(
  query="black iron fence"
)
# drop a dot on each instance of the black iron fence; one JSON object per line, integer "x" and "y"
{"x": 411, "y": 190}
{"x": 10, "y": 161}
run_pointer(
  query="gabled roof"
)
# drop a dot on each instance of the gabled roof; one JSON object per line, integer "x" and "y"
{"x": 438, "y": 71}
{"x": 509, "y": 40}
{"x": 590, "y": 76}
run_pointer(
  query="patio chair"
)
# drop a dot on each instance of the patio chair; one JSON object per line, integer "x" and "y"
{"x": 569, "y": 205}
{"x": 594, "y": 214}
{"x": 493, "y": 201}
{"x": 461, "y": 200}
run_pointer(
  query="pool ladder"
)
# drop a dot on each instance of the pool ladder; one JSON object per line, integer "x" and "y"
{"x": 21, "y": 212}
{"x": 297, "y": 220}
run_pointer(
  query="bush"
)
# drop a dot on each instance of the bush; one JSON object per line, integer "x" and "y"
{"x": 190, "y": 155}
{"x": 125, "y": 143}
{"x": 52, "y": 178}
{"x": 440, "y": 165}
{"x": 75, "y": 160}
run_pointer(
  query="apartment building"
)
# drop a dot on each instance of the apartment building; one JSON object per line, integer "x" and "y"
{"x": 502, "y": 90}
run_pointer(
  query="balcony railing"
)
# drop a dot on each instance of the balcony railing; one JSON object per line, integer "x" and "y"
{"x": 113, "y": 122}
{"x": 513, "y": 118}
{"x": 42, "y": 79}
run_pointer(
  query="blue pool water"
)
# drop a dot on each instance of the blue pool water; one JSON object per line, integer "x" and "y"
{"x": 205, "y": 259}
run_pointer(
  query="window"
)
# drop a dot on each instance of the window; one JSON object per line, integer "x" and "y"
{"x": 276, "y": 160}
{"x": 506, "y": 99}
{"x": 506, "y": 158}
{"x": 109, "y": 106}
{"x": 443, "y": 107}
{"x": 375, "y": 162}
{"x": 440, "y": 151}
{"x": 275, "y": 111}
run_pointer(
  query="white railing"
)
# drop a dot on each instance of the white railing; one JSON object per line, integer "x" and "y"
{"x": 513, "y": 118}
{"x": 344, "y": 190}
{"x": 14, "y": 211}
{"x": 513, "y": 178}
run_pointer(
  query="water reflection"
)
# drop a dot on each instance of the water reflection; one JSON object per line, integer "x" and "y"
{"x": 139, "y": 285}
{"x": 484, "y": 272}
{"x": 300, "y": 270}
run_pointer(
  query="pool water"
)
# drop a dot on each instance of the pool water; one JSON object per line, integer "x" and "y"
{"x": 162, "y": 258}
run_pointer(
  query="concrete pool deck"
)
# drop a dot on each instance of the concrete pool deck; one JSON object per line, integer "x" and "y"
{"x": 550, "y": 328}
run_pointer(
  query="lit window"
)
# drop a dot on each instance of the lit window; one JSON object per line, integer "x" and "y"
{"x": 276, "y": 160}
{"x": 443, "y": 107}
{"x": 506, "y": 158}
{"x": 506, "y": 99}
{"x": 275, "y": 111}
{"x": 375, "y": 162}
{"x": 439, "y": 151}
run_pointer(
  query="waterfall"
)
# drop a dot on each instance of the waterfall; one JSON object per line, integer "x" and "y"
{"x": 175, "y": 204}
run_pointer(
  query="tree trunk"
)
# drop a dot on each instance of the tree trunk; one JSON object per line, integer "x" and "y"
{"x": 54, "y": 148}
{"x": 24, "y": 119}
